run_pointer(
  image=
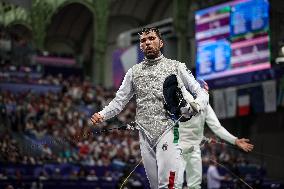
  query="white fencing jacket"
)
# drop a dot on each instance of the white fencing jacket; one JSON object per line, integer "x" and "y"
{"x": 191, "y": 131}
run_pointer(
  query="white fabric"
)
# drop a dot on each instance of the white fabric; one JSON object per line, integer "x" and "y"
{"x": 123, "y": 95}
{"x": 129, "y": 57}
{"x": 126, "y": 91}
{"x": 213, "y": 178}
{"x": 231, "y": 101}
{"x": 200, "y": 94}
{"x": 192, "y": 163}
{"x": 243, "y": 100}
{"x": 191, "y": 134}
{"x": 159, "y": 162}
{"x": 269, "y": 90}
{"x": 214, "y": 124}
{"x": 219, "y": 103}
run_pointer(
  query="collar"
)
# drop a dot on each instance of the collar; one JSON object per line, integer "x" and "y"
{"x": 153, "y": 61}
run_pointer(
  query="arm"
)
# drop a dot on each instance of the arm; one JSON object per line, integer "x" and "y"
{"x": 123, "y": 95}
{"x": 214, "y": 124}
{"x": 193, "y": 86}
{"x": 215, "y": 174}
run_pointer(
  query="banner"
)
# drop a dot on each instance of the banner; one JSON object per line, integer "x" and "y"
{"x": 243, "y": 102}
{"x": 231, "y": 101}
{"x": 123, "y": 60}
{"x": 219, "y": 105}
{"x": 269, "y": 90}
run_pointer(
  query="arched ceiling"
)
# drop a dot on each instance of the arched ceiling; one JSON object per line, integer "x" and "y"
{"x": 144, "y": 11}
{"x": 73, "y": 23}
{"x": 72, "y": 20}
{"x": 20, "y": 31}
{"x": 70, "y": 25}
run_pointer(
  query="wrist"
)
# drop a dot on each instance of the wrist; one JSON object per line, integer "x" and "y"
{"x": 195, "y": 107}
{"x": 236, "y": 141}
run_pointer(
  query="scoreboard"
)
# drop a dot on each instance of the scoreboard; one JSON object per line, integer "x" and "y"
{"x": 232, "y": 39}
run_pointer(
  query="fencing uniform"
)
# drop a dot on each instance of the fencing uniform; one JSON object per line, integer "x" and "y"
{"x": 157, "y": 140}
{"x": 191, "y": 134}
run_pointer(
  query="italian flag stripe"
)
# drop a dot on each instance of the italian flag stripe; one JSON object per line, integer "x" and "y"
{"x": 176, "y": 133}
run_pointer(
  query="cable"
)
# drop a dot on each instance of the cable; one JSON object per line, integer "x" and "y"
{"x": 213, "y": 141}
{"x": 158, "y": 140}
{"x": 236, "y": 176}
{"x": 126, "y": 179}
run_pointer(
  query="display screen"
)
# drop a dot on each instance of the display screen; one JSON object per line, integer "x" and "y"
{"x": 232, "y": 38}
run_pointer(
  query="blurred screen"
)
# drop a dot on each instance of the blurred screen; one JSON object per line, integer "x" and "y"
{"x": 232, "y": 38}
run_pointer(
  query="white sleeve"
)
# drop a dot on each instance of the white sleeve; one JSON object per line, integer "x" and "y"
{"x": 122, "y": 97}
{"x": 215, "y": 174}
{"x": 202, "y": 97}
{"x": 214, "y": 124}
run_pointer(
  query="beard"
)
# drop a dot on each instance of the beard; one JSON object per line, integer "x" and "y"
{"x": 152, "y": 54}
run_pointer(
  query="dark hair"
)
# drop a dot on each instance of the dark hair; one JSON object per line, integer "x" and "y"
{"x": 148, "y": 30}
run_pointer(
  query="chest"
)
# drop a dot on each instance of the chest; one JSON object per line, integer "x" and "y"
{"x": 152, "y": 77}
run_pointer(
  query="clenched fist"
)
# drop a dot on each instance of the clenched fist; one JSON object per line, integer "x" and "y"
{"x": 97, "y": 118}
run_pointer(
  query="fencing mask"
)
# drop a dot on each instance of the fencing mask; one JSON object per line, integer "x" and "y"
{"x": 177, "y": 100}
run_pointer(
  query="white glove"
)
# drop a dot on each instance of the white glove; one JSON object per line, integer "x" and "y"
{"x": 185, "y": 111}
{"x": 195, "y": 107}
{"x": 190, "y": 110}
{"x": 192, "y": 107}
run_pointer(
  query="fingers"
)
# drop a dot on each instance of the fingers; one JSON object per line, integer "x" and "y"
{"x": 247, "y": 147}
{"x": 96, "y": 118}
{"x": 244, "y": 144}
{"x": 244, "y": 140}
{"x": 250, "y": 147}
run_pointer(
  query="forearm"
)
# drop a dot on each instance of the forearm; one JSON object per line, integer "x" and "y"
{"x": 113, "y": 108}
{"x": 214, "y": 124}
{"x": 215, "y": 174}
{"x": 123, "y": 95}
{"x": 222, "y": 133}
{"x": 110, "y": 111}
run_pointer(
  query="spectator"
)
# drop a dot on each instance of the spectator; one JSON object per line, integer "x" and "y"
{"x": 92, "y": 176}
{"x": 213, "y": 177}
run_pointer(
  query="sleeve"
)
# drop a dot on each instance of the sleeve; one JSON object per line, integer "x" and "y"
{"x": 202, "y": 96}
{"x": 215, "y": 174}
{"x": 214, "y": 124}
{"x": 122, "y": 97}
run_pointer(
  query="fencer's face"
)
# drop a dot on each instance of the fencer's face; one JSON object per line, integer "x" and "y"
{"x": 150, "y": 44}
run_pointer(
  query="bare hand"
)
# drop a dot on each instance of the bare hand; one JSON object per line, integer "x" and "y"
{"x": 97, "y": 118}
{"x": 244, "y": 144}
